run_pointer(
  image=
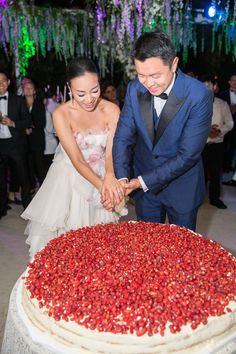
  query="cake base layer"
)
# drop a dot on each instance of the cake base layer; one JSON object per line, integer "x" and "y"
{"x": 206, "y": 339}
{"x": 138, "y": 288}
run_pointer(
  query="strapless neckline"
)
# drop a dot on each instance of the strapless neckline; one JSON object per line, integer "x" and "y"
{"x": 92, "y": 132}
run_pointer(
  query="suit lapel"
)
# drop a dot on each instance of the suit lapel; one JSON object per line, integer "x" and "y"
{"x": 170, "y": 109}
{"x": 10, "y": 106}
{"x": 146, "y": 107}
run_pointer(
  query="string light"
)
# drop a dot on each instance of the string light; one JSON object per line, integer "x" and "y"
{"x": 211, "y": 11}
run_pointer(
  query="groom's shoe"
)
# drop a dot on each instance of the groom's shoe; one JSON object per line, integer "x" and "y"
{"x": 230, "y": 183}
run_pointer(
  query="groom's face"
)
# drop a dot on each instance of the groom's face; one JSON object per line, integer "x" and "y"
{"x": 154, "y": 74}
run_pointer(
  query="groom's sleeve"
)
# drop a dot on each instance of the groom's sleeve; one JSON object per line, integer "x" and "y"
{"x": 124, "y": 140}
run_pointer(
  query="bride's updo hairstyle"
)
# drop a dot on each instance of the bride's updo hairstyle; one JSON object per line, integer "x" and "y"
{"x": 79, "y": 66}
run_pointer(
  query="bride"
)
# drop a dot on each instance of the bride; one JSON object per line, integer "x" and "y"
{"x": 82, "y": 174}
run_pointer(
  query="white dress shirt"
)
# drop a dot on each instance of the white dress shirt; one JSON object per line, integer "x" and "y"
{"x": 232, "y": 97}
{"x": 221, "y": 117}
{"x": 4, "y": 130}
{"x": 159, "y": 103}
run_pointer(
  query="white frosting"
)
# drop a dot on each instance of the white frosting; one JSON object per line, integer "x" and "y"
{"x": 205, "y": 338}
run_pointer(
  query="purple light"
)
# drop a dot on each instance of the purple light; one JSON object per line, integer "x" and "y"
{"x": 140, "y": 17}
{"x": 100, "y": 12}
{"x": 4, "y": 3}
{"x": 116, "y": 2}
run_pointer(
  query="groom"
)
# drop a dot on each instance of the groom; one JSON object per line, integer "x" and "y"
{"x": 160, "y": 135}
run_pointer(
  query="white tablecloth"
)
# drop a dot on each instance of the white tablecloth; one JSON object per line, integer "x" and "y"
{"x": 18, "y": 340}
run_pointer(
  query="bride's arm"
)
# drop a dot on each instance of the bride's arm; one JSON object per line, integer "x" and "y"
{"x": 67, "y": 140}
{"x": 111, "y": 188}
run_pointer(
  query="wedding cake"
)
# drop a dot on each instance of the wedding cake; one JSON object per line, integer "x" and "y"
{"x": 132, "y": 288}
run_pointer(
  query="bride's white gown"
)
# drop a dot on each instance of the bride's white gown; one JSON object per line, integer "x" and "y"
{"x": 66, "y": 200}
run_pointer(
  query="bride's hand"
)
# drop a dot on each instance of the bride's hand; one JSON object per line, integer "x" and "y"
{"x": 112, "y": 192}
{"x": 107, "y": 203}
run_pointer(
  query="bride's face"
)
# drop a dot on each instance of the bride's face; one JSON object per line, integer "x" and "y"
{"x": 86, "y": 90}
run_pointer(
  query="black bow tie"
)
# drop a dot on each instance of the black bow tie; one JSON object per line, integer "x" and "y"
{"x": 163, "y": 96}
{"x": 3, "y": 97}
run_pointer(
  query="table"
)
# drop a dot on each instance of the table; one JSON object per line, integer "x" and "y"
{"x": 17, "y": 339}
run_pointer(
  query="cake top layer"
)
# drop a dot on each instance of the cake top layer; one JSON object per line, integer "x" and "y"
{"x": 133, "y": 278}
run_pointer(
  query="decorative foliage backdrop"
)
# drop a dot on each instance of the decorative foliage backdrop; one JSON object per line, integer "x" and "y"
{"x": 108, "y": 33}
{"x": 120, "y": 22}
{"x": 29, "y": 30}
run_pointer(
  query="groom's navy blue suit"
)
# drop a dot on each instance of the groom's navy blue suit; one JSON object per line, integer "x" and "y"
{"x": 168, "y": 160}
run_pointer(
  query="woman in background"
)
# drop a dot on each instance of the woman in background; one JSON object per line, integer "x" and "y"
{"x": 109, "y": 92}
{"x": 51, "y": 141}
{"x": 35, "y": 135}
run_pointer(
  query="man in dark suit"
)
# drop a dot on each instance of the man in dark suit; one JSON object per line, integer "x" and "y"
{"x": 160, "y": 135}
{"x": 229, "y": 96}
{"x": 13, "y": 121}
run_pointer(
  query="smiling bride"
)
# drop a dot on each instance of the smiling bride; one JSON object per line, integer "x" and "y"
{"x": 81, "y": 175}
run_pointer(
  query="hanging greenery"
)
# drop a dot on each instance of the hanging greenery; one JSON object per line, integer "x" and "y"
{"x": 120, "y": 22}
{"x": 29, "y": 30}
{"x": 107, "y": 34}
{"x": 26, "y": 48}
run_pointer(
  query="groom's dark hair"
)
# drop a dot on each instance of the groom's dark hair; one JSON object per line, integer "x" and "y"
{"x": 154, "y": 45}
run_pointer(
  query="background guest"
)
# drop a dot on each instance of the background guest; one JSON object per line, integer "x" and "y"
{"x": 109, "y": 92}
{"x": 232, "y": 182}
{"x": 229, "y": 96}
{"x": 13, "y": 184}
{"x": 13, "y": 121}
{"x": 35, "y": 135}
{"x": 213, "y": 153}
{"x": 51, "y": 141}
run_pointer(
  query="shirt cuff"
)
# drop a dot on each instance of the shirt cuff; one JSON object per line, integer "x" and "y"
{"x": 143, "y": 185}
{"x": 123, "y": 179}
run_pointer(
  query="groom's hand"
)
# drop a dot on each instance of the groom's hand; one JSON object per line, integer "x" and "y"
{"x": 123, "y": 182}
{"x": 132, "y": 185}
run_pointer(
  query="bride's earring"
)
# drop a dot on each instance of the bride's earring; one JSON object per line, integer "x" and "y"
{"x": 70, "y": 93}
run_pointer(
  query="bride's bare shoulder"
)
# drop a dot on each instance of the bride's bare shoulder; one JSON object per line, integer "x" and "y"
{"x": 61, "y": 111}
{"x": 109, "y": 108}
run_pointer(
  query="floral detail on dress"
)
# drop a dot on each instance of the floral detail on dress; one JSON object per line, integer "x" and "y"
{"x": 81, "y": 140}
{"x": 93, "y": 147}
